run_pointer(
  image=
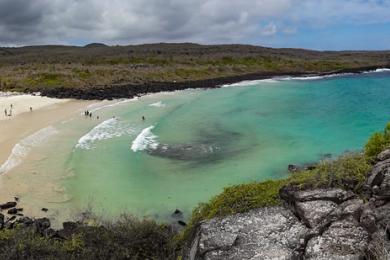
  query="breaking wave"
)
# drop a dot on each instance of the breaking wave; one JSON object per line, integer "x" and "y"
{"x": 22, "y": 149}
{"x": 158, "y": 104}
{"x": 145, "y": 140}
{"x": 106, "y": 130}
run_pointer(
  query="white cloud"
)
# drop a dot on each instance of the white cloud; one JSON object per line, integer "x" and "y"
{"x": 205, "y": 21}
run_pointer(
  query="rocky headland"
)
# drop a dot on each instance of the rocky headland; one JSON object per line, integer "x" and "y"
{"x": 330, "y": 223}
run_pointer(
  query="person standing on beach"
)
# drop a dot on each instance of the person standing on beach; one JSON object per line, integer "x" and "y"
{"x": 5, "y": 112}
{"x": 30, "y": 109}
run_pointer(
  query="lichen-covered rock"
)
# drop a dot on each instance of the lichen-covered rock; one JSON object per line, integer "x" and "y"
{"x": 313, "y": 212}
{"x": 352, "y": 207}
{"x": 265, "y": 233}
{"x": 384, "y": 155}
{"x": 332, "y": 194}
{"x": 378, "y": 173}
{"x": 344, "y": 239}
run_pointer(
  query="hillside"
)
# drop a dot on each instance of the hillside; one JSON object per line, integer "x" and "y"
{"x": 43, "y": 68}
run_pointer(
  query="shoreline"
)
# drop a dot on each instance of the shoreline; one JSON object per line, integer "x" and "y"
{"x": 135, "y": 90}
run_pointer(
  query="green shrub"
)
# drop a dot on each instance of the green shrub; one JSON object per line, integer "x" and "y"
{"x": 378, "y": 142}
{"x": 349, "y": 171}
{"x": 127, "y": 238}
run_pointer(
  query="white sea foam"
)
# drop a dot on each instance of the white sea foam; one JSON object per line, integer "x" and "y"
{"x": 283, "y": 78}
{"x": 99, "y": 106}
{"x": 106, "y": 130}
{"x": 21, "y": 149}
{"x": 158, "y": 104}
{"x": 378, "y": 70}
{"x": 145, "y": 140}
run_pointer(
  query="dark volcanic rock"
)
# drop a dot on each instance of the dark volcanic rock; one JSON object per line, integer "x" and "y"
{"x": 8, "y": 205}
{"x": 1, "y": 220}
{"x": 12, "y": 211}
{"x": 41, "y": 224}
{"x": 266, "y": 233}
{"x": 177, "y": 214}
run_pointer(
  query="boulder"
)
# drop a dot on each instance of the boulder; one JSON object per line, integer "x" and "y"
{"x": 177, "y": 214}
{"x": 382, "y": 216}
{"x": 25, "y": 221}
{"x": 293, "y": 168}
{"x": 377, "y": 174}
{"x": 332, "y": 194}
{"x": 344, "y": 239}
{"x": 8, "y": 205}
{"x": 1, "y": 220}
{"x": 313, "y": 212}
{"x": 384, "y": 155}
{"x": 265, "y": 233}
{"x": 352, "y": 207}
{"x": 41, "y": 224}
{"x": 12, "y": 211}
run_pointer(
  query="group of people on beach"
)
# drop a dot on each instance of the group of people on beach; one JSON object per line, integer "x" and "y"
{"x": 89, "y": 114}
{"x": 9, "y": 112}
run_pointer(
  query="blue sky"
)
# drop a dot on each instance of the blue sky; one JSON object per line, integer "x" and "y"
{"x": 313, "y": 24}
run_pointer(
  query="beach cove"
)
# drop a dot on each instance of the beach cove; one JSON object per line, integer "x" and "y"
{"x": 191, "y": 144}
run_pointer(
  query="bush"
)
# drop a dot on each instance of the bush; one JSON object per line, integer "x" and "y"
{"x": 378, "y": 142}
{"x": 349, "y": 172}
{"x": 127, "y": 238}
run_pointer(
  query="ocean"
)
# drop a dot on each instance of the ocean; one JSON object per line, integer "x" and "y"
{"x": 193, "y": 143}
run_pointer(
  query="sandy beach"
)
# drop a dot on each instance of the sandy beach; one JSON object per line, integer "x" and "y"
{"x": 21, "y": 125}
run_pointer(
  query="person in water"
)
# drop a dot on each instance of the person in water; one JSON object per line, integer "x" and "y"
{"x": 90, "y": 114}
{"x": 143, "y": 118}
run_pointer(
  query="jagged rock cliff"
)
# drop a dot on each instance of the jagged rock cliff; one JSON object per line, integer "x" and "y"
{"x": 311, "y": 224}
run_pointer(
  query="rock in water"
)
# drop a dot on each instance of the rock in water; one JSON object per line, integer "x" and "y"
{"x": 8, "y": 205}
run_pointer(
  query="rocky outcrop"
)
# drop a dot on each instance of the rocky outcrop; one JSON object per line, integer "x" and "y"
{"x": 266, "y": 232}
{"x": 312, "y": 224}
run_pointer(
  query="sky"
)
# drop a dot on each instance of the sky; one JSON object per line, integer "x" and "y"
{"x": 310, "y": 24}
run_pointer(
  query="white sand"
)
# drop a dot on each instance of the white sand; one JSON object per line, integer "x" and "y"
{"x": 22, "y": 103}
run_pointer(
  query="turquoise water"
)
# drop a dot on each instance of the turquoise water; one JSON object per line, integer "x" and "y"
{"x": 193, "y": 143}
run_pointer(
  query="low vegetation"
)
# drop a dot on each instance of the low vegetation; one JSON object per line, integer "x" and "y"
{"x": 38, "y": 67}
{"x": 128, "y": 238}
{"x": 377, "y": 142}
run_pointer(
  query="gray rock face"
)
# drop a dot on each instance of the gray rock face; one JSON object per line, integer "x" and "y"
{"x": 313, "y": 212}
{"x": 384, "y": 155}
{"x": 266, "y": 233}
{"x": 344, "y": 239}
{"x": 336, "y": 195}
{"x": 313, "y": 224}
{"x": 378, "y": 173}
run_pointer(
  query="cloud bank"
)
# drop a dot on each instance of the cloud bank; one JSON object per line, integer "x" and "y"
{"x": 24, "y": 22}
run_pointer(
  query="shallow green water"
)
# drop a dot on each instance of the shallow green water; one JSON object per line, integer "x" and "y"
{"x": 204, "y": 140}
